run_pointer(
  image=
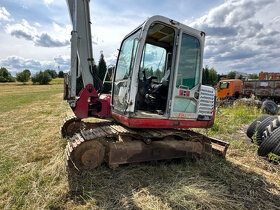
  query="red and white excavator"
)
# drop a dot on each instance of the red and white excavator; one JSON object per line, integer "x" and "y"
{"x": 156, "y": 96}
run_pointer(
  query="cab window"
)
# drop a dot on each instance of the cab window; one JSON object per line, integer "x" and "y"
{"x": 189, "y": 62}
{"x": 127, "y": 57}
{"x": 153, "y": 61}
{"x": 224, "y": 85}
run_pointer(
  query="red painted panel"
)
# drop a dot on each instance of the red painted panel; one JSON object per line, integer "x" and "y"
{"x": 89, "y": 104}
{"x": 161, "y": 123}
{"x": 185, "y": 93}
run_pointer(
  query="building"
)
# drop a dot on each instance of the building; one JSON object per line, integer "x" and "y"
{"x": 243, "y": 75}
{"x": 269, "y": 76}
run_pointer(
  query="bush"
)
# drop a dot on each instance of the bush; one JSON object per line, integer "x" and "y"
{"x": 253, "y": 76}
{"x": 52, "y": 73}
{"x": 60, "y": 74}
{"x": 231, "y": 75}
{"x": 5, "y": 75}
{"x": 23, "y": 76}
{"x": 42, "y": 78}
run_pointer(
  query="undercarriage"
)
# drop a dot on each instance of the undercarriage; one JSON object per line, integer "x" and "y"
{"x": 92, "y": 144}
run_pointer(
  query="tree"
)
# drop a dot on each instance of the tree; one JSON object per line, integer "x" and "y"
{"x": 42, "y": 77}
{"x": 27, "y": 71}
{"x": 149, "y": 72}
{"x": 204, "y": 79}
{"x": 253, "y": 76}
{"x": 240, "y": 76}
{"x": 159, "y": 74}
{"x": 101, "y": 71}
{"x": 209, "y": 76}
{"x": 5, "y": 75}
{"x": 23, "y": 76}
{"x": 52, "y": 73}
{"x": 213, "y": 77}
{"x": 231, "y": 75}
{"x": 60, "y": 74}
{"x": 205, "y": 75}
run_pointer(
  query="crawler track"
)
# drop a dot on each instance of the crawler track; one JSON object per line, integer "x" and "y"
{"x": 117, "y": 144}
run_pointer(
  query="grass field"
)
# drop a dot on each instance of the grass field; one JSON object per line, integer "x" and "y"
{"x": 33, "y": 175}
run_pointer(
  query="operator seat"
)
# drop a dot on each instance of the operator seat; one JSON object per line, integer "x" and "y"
{"x": 157, "y": 96}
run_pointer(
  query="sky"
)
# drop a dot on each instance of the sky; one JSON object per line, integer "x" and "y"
{"x": 241, "y": 35}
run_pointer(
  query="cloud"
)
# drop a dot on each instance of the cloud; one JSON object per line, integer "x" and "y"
{"x": 45, "y": 40}
{"x": 268, "y": 42}
{"x": 95, "y": 40}
{"x": 62, "y": 32}
{"x": 21, "y": 28}
{"x": 231, "y": 18}
{"x": 17, "y": 64}
{"x": 62, "y": 62}
{"x": 21, "y": 34}
{"x": 232, "y": 12}
{"x": 235, "y": 54}
{"x": 4, "y": 14}
{"x": 220, "y": 31}
{"x": 37, "y": 24}
{"x": 111, "y": 60}
{"x": 47, "y": 2}
{"x": 238, "y": 36}
{"x": 26, "y": 31}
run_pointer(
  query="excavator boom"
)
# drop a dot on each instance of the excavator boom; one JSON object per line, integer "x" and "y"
{"x": 82, "y": 66}
{"x": 81, "y": 44}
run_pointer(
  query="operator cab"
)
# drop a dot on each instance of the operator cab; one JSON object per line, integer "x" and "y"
{"x": 158, "y": 76}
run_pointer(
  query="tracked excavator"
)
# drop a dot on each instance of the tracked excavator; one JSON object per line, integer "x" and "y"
{"x": 156, "y": 97}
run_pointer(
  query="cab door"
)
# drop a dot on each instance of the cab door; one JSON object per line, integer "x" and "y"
{"x": 184, "y": 103}
{"x": 123, "y": 72}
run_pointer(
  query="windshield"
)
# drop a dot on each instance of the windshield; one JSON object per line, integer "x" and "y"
{"x": 153, "y": 61}
{"x": 224, "y": 85}
{"x": 127, "y": 56}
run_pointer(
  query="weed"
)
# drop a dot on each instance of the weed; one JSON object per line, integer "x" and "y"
{"x": 274, "y": 158}
{"x": 237, "y": 143}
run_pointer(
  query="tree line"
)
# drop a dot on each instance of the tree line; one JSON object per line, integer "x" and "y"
{"x": 233, "y": 75}
{"x": 42, "y": 77}
{"x": 211, "y": 77}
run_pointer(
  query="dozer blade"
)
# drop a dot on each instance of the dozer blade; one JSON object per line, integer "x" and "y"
{"x": 219, "y": 147}
{"x": 116, "y": 145}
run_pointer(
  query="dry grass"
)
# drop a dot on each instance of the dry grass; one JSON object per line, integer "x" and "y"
{"x": 32, "y": 171}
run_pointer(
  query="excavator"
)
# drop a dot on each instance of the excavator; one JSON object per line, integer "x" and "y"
{"x": 156, "y": 97}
